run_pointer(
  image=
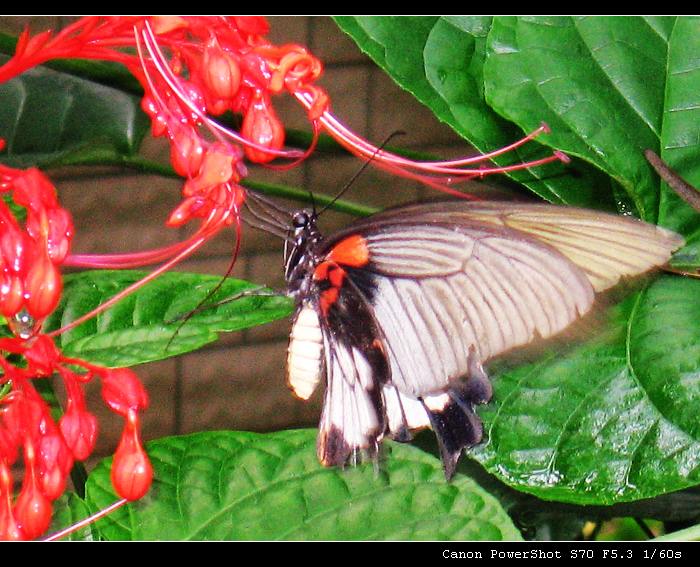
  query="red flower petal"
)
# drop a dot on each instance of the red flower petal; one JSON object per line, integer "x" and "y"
{"x": 132, "y": 472}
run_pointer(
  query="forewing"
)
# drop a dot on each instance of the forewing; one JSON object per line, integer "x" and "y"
{"x": 443, "y": 294}
{"x": 605, "y": 246}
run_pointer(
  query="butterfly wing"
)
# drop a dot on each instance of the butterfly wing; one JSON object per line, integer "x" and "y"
{"x": 335, "y": 337}
{"x": 443, "y": 288}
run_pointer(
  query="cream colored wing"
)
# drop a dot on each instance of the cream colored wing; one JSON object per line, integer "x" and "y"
{"x": 491, "y": 278}
{"x": 605, "y": 246}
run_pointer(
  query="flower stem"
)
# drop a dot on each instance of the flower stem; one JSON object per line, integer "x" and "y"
{"x": 142, "y": 165}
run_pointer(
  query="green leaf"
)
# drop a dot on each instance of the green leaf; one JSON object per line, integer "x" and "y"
{"x": 247, "y": 486}
{"x": 148, "y": 324}
{"x": 440, "y": 61}
{"x": 47, "y": 117}
{"x": 680, "y": 133}
{"x": 610, "y": 87}
{"x": 613, "y": 419}
{"x": 67, "y": 511}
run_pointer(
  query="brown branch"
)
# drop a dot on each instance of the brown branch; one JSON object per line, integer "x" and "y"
{"x": 684, "y": 190}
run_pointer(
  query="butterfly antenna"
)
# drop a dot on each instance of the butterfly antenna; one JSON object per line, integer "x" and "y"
{"x": 361, "y": 170}
{"x": 313, "y": 204}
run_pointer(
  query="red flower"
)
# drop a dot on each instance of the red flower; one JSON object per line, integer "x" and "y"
{"x": 29, "y": 257}
{"x": 221, "y": 74}
{"x": 262, "y": 127}
{"x": 132, "y": 472}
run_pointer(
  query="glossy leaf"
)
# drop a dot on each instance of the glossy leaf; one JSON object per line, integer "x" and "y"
{"x": 610, "y": 87}
{"x": 233, "y": 485}
{"x": 680, "y": 132}
{"x": 609, "y": 420}
{"x": 148, "y": 324}
{"x": 440, "y": 60}
{"x": 47, "y": 117}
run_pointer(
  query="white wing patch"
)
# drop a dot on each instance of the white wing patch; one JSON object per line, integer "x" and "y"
{"x": 403, "y": 412}
{"x": 350, "y": 421}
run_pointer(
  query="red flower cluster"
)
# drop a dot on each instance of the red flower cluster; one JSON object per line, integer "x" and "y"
{"x": 215, "y": 65}
{"x": 30, "y": 282}
{"x": 31, "y": 287}
{"x": 49, "y": 448}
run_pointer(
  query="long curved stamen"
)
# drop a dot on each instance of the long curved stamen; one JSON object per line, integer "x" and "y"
{"x": 418, "y": 169}
{"x": 220, "y": 132}
{"x": 127, "y": 261}
{"x": 87, "y": 521}
{"x": 204, "y": 237}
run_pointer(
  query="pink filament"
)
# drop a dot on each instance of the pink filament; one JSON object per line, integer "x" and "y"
{"x": 87, "y": 521}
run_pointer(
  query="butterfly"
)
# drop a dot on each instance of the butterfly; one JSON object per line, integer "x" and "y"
{"x": 398, "y": 314}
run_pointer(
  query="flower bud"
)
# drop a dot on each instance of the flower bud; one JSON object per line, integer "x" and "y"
{"x": 9, "y": 528}
{"x": 262, "y": 127}
{"x": 60, "y": 234}
{"x": 186, "y": 152}
{"x": 122, "y": 391}
{"x": 220, "y": 72}
{"x": 54, "y": 464}
{"x": 11, "y": 294}
{"x": 42, "y": 287}
{"x": 33, "y": 512}
{"x": 33, "y": 508}
{"x": 79, "y": 429}
{"x": 132, "y": 472}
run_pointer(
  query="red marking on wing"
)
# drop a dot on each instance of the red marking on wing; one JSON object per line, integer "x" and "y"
{"x": 351, "y": 251}
{"x": 328, "y": 298}
{"x": 334, "y": 275}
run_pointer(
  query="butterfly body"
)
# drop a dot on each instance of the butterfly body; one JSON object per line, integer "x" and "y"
{"x": 398, "y": 314}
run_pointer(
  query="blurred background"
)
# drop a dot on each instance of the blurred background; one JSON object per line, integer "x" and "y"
{"x": 239, "y": 382}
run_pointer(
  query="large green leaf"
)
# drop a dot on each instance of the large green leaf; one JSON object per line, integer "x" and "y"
{"x": 613, "y": 419}
{"x": 440, "y": 61}
{"x": 48, "y": 117}
{"x": 246, "y": 486}
{"x": 610, "y": 87}
{"x": 148, "y": 324}
{"x": 680, "y": 131}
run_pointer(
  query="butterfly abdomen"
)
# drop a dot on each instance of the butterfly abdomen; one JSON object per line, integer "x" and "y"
{"x": 305, "y": 353}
